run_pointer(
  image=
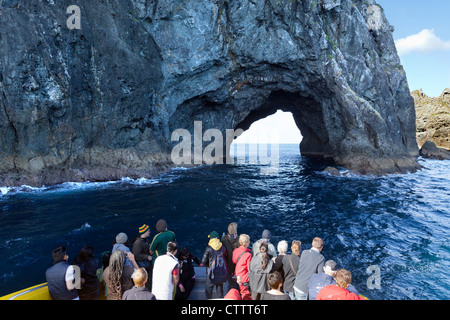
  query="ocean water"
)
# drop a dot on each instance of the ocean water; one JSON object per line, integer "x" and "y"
{"x": 400, "y": 223}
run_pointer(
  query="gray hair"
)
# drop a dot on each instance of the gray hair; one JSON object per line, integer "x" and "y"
{"x": 282, "y": 246}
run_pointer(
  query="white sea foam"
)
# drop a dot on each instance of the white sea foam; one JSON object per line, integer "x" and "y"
{"x": 84, "y": 227}
{"x": 4, "y": 190}
{"x": 77, "y": 186}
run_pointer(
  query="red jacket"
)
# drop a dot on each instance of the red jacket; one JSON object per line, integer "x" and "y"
{"x": 334, "y": 292}
{"x": 243, "y": 265}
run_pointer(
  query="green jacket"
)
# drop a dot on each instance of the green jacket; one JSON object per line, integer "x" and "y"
{"x": 159, "y": 243}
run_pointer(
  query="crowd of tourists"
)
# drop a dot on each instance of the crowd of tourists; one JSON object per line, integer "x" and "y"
{"x": 160, "y": 270}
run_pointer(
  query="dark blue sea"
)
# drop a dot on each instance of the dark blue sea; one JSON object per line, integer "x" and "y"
{"x": 398, "y": 223}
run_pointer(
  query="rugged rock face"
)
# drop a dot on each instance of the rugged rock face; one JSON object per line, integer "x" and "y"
{"x": 101, "y": 102}
{"x": 433, "y": 118}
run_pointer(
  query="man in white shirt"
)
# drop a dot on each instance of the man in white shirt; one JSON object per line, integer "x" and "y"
{"x": 166, "y": 273}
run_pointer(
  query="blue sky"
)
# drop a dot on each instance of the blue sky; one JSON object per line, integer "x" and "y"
{"x": 423, "y": 41}
{"x": 422, "y": 34}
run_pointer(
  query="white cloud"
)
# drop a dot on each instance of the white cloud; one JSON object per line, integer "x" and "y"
{"x": 423, "y": 42}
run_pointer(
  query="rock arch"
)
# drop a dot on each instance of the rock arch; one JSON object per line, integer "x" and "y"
{"x": 101, "y": 102}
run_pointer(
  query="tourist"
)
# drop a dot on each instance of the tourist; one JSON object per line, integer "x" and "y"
{"x": 339, "y": 291}
{"x": 282, "y": 248}
{"x": 311, "y": 261}
{"x": 90, "y": 290}
{"x": 61, "y": 277}
{"x": 158, "y": 246}
{"x": 141, "y": 250}
{"x": 290, "y": 267}
{"x": 166, "y": 273}
{"x": 215, "y": 260}
{"x": 242, "y": 257}
{"x": 122, "y": 243}
{"x": 260, "y": 267}
{"x": 320, "y": 280}
{"x": 265, "y": 238}
{"x": 275, "y": 281}
{"x": 231, "y": 242}
{"x": 106, "y": 256}
{"x": 117, "y": 276}
{"x": 139, "y": 291}
{"x": 187, "y": 273}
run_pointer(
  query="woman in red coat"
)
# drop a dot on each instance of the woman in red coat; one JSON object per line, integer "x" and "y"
{"x": 339, "y": 292}
{"x": 242, "y": 257}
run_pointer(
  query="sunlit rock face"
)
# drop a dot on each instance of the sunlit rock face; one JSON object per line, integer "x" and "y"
{"x": 102, "y": 102}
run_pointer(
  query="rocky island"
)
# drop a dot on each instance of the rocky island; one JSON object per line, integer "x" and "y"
{"x": 433, "y": 124}
{"x": 101, "y": 101}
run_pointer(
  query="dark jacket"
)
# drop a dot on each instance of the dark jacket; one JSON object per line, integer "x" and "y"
{"x": 56, "y": 279}
{"x": 230, "y": 245}
{"x": 311, "y": 262}
{"x": 91, "y": 287}
{"x": 290, "y": 272}
{"x": 141, "y": 249}
{"x": 220, "y": 270}
{"x": 138, "y": 293}
{"x": 210, "y": 252}
{"x": 187, "y": 271}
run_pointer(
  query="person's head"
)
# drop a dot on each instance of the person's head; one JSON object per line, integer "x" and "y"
{"x": 106, "y": 256}
{"x": 121, "y": 238}
{"x": 275, "y": 280}
{"x": 85, "y": 254}
{"x": 244, "y": 240}
{"x": 282, "y": 247}
{"x": 172, "y": 248}
{"x": 232, "y": 230}
{"x": 116, "y": 261}
{"x": 161, "y": 225}
{"x": 140, "y": 277}
{"x": 144, "y": 231}
{"x": 59, "y": 254}
{"x": 213, "y": 235}
{"x": 317, "y": 243}
{"x": 330, "y": 268}
{"x": 183, "y": 253}
{"x": 266, "y": 235}
{"x": 264, "y": 249}
{"x": 296, "y": 247}
{"x": 343, "y": 278}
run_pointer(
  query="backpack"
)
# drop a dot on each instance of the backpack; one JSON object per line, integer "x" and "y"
{"x": 218, "y": 272}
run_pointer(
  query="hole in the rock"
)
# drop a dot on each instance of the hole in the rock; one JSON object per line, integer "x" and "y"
{"x": 278, "y": 130}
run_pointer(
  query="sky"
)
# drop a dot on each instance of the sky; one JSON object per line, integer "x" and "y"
{"x": 422, "y": 39}
{"x": 278, "y": 128}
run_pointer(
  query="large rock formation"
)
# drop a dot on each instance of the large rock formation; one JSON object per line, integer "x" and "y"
{"x": 433, "y": 118}
{"x": 429, "y": 150}
{"x": 101, "y": 102}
